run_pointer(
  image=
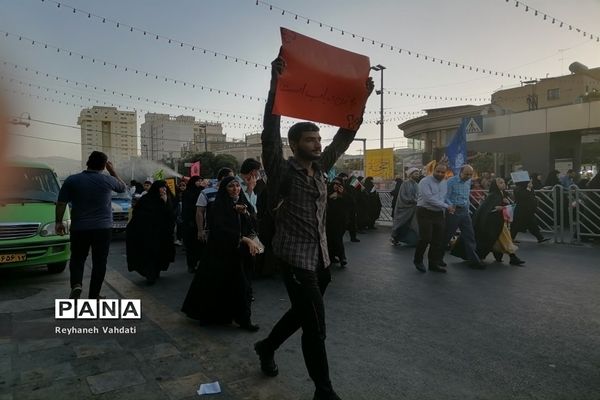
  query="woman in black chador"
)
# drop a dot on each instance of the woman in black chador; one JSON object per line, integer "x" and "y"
{"x": 192, "y": 245}
{"x": 149, "y": 239}
{"x": 491, "y": 232}
{"x": 336, "y": 222}
{"x": 219, "y": 291}
{"x": 526, "y": 206}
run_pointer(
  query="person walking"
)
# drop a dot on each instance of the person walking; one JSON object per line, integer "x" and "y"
{"x": 525, "y": 207}
{"x": 149, "y": 241}
{"x": 218, "y": 293}
{"x": 298, "y": 191}
{"x": 405, "y": 228}
{"x": 490, "y": 226}
{"x": 189, "y": 228}
{"x": 431, "y": 207}
{"x": 337, "y": 220}
{"x": 89, "y": 193}
{"x": 459, "y": 188}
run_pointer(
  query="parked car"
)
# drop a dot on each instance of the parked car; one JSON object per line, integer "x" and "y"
{"x": 27, "y": 230}
{"x": 121, "y": 206}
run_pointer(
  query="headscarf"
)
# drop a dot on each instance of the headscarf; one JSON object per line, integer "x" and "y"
{"x": 552, "y": 179}
{"x": 223, "y": 220}
{"x": 494, "y": 189}
{"x": 154, "y": 191}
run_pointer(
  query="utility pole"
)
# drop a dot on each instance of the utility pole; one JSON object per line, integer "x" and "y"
{"x": 380, "y": 68}
{"x": 364, "y": 142}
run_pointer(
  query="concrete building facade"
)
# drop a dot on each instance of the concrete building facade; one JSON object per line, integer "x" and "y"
{"x": 249, "y": 148}
{"x": 109, "y": 130}
{"x": 164, "y": 137}
{"x": 541, "y": 125}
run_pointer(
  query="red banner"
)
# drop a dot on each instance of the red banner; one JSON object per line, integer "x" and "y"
{"x": 195, "y": 169}
{"x": 320, "y": 82}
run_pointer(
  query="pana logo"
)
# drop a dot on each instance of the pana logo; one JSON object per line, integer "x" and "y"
{"x": 97, "y": 309}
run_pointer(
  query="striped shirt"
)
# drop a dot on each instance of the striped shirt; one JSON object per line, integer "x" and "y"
{"x": 298, "y": 200}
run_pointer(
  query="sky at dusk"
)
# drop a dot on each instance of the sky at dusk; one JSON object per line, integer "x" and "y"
{"x": 490, "y": 35}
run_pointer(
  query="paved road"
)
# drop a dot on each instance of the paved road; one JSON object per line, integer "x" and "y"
{"x": 393, "y": 333}
{"x": 506, "y": 332}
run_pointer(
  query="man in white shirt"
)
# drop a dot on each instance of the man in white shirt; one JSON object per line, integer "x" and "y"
{"x": 247, "y": 178}
{"x": 431, "y": 206}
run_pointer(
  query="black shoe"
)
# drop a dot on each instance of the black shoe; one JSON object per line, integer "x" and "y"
{"x": 542, "y": 240}
{"x": 250, "y": 327}
{"x": 267, "y": 362}
{"x": 437, "y": 268}
{"x": 498, "y": 256}
{"x": 477, "y": 265}
{"x": 75, "y": 292}
{"x": 343, "y": 262}
{"x": 442, "y": 263}
{"x": 355, "y": 240}
{"x": 514, "y": 260}
{"x": 420, "y": 267}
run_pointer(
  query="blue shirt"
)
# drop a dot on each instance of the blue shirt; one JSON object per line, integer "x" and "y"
{"x": 90, "y": 193}
{"x": 207, "y": 196}
{"x": 458, "y": 192}
{"x": 432, "y": 194}
{"x": 566, "y": 181}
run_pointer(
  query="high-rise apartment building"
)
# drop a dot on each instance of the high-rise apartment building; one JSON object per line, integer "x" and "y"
{"x": 166, "y": 137}
{"x": 109, "y": 130}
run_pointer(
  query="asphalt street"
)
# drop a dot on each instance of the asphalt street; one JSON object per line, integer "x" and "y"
{"x": 392, "y": 332}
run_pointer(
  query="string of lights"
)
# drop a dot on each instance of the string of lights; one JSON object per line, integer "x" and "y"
{"x": 544, "y": 16}
{"x": 141, "y": 110}
{"x": 153, "y": 35}
{"x": 391, "y": 47}
{"x": 125, "y": 68}
{"x": 412, "y": 113}
{"x": 435, "y": 97}
{"x": 80, "y": 84}
{"x": 51, "y": 99}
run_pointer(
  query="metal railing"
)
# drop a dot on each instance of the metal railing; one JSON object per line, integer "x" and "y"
{"x": 570, "y": 215}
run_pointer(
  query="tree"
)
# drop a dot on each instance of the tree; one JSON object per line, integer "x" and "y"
{"x": 224, "y": 160}
{"x": 209, "y": 163}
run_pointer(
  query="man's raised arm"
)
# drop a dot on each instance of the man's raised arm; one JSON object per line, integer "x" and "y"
{"x": 272, "y": 146}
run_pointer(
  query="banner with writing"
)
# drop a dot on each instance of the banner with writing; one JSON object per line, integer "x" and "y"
{"x": 379, "y": 163}
{"x": 320, "y": 82}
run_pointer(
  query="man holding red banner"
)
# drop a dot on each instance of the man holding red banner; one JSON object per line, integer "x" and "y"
{"x": 298, "y": 196}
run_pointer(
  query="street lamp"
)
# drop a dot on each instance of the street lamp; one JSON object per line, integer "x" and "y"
{"x": 380, "y": 68}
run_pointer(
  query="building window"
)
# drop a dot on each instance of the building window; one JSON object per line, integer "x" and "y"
{"x": 553, "y": 94}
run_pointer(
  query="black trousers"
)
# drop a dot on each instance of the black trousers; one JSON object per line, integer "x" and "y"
{"x": 335, "y": 243}
{"x": 431, "y": 233}
{"x": 305, "y": 290}
{"x": 530, "y": 224}
{"x": 81, "y": 242}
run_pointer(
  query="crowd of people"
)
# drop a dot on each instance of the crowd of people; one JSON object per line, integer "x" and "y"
{"x": 434, "y": 212}
{"x": 285, "y": 215}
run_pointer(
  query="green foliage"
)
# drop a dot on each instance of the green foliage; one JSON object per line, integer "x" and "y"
{"x": 209, "y": 163}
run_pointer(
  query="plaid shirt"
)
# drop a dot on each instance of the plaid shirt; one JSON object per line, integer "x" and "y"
{"x": 458, "y": 192}
{"x": 298, "y": 200}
